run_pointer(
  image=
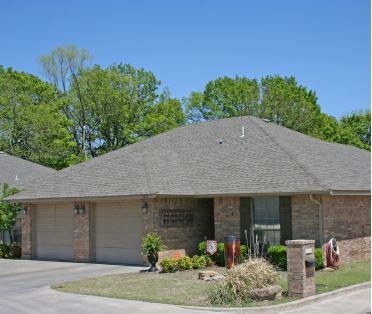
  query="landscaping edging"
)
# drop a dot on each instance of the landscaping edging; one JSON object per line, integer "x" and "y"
{"x": 291, "y": 304}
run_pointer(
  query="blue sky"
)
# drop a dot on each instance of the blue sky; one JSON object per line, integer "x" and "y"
{"x": 324, "y": 44}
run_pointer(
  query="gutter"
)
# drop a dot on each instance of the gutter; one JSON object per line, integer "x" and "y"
{"x": 320, "y": 217}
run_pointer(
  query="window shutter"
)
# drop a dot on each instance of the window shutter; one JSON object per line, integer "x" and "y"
{"x": 285, "y": 219}
{"x": 245, "y": 218}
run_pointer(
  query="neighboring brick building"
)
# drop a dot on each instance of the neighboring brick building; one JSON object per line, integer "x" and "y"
{"x": 240, "y": 176}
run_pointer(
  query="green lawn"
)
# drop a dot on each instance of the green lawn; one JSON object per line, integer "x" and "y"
{"x": 184, "y": 288}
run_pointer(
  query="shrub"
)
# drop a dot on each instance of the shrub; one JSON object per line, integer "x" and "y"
{"x": 199, "y": 261}
{"x": 319, "y": 261}
{"x": 240, "y": 282}
{"x": 10, "y": 250}
{"x": 185, "y": 263}
{"x": 278, "y": 256}
{"x": 169, "y": 265}
{"x": 152, "y": 244}
{"x": 202, "y": 247}
{"x": 220, "y": 254}
{"x": 243, "y": 253}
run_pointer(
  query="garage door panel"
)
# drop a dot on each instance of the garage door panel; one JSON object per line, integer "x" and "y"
{"x": 54, "y": 231}
{"x": 45, "y": 224}
{"x": 126, "y": 240}
{"x": 119, "y": 225}
{"x": 118, "y": 232}
{"x": 45, "y": 238}
{"x": 117, "y": 255}
{"x": 64, "y": 225}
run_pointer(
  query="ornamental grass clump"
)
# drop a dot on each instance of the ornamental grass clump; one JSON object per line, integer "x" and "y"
{"x": 239, "y": 283}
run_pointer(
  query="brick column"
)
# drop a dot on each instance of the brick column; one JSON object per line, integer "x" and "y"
{"x": 301, "y": 279}
{"x": 26, "y": 223}
{"x": 226, "y": 217}
{"x": 82, "y": 233}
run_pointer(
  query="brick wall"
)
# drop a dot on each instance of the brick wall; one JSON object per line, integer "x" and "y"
{"x": 226, "y": 217}
{"x": 347, "y": 218}
{"x": 182, "y": 237}
{"x": 26, "y": 225}
{"x": 82, "y": 235}
{"x": 305, "y": 218}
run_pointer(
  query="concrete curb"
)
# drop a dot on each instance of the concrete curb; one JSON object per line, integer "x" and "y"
{"x": 297, "y": 304}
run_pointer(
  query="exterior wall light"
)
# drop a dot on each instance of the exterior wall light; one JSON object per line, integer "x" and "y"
{"x": 144, "y": 207}
{"x": 25, "y": 210}
{"x": 79, "y": 209}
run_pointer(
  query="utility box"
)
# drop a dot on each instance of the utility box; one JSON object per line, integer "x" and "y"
{"x": 300, "y": 268}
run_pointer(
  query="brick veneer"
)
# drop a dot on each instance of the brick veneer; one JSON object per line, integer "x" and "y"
{"x": 347, "y": 218}
{"x": 305, "y": 218}
{"x": 226, "y": 217}
{"x": 186, "y": 237}
{"x": 26, "y": 223}
{"x": 301, "y": 280}
{"x": 82, "y": 235}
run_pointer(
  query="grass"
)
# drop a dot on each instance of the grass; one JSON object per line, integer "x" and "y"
{"x": 183, "y": 288}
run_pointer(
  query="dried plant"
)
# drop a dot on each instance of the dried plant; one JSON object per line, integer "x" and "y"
{"x": 240, "y": 282}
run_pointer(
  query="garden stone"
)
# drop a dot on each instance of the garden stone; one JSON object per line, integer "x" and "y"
{"x": 267, "y": 293}
{"x": 207, "y": 273}
{"x": 217, "y": 278}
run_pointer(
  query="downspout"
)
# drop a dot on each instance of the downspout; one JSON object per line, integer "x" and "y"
{"x": 320, "y": 218}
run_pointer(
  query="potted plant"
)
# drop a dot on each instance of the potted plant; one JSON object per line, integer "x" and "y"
{"x": 151, "y": 246}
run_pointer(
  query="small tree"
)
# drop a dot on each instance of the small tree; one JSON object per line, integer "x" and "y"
{"x": 8, "y": 211}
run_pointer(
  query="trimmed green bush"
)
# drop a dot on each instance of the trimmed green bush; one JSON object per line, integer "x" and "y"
{"x": 319, "y": 261}
{"x": 185, "y": 263}
{"x": 219, "y": 256}
{"x": 278, "y": 256}
{"x": 169, "y": 265}
{"x": 152, "y": 244}
{"x": 202, "y": 247}
{"x": 10, "y": 250}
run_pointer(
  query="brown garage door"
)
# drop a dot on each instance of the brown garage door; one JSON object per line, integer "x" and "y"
{"x": 118, "y": 233}
{"x": 53, "y": 229}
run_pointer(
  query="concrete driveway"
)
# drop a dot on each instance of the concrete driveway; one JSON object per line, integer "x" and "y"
{"x": 25, "y": 288}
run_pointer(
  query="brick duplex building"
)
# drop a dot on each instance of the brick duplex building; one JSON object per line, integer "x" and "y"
{"x": 208, "y": 180}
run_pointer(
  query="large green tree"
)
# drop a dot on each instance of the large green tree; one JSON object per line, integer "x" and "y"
{"x": 122, "y": 106}
{"x": 222, "y": 98}
{"x": 279, "y": 99}
{"x": 31, "y": 123}
{"x": 62, "y": 67}
{"x": 287, "y": 103}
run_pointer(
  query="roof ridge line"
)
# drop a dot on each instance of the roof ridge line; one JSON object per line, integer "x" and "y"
{"x": 303, "y": 167}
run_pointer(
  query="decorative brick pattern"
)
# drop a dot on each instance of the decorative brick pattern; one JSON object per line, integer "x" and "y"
{"x": 82, "y": 235}
{"x": 301, "y": 279}
{"x": 180, "y": 237}
{"x": 347, "y": 218}
{"x": 26, "y": 223}
{"x": 226, "y": 217}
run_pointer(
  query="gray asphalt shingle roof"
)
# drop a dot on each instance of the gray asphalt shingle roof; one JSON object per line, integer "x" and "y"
{"x": 192, "y": 161}
{"x": 18, "y": 172}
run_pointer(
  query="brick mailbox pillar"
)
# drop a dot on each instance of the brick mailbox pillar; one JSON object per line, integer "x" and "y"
{"x": 300, "y": 268}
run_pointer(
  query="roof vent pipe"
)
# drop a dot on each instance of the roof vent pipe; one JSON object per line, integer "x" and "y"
{"x": 243, "y": 132}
